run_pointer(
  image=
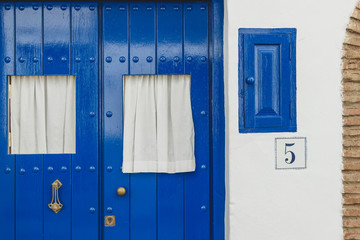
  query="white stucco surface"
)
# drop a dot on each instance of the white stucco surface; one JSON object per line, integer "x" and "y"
{"x": 269, "y": 204}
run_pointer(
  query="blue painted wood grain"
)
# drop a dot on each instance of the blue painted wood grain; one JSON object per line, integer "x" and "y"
{"x": 115, "y": 65}
{"x": 170, "y": 61}
{"x": 218, "y": 124}
{"x": 29, "y": 180}
{"x": 197, "y": 184}
{"x": 143, "y": 188}
{"x": 56, "y": 41}
{"x": 85, "y": 167}
{"x": 269, "y": 56}
{"x": 7, "y": 164}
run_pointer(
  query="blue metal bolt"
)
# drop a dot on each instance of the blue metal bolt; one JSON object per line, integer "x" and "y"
{"x": 50, "y": 169}
{"x": 176, "y": 59}
{"x": 77, "y": 59}
{"x": 203, "y": 8}
{"x": 63, "y": 7}
{"x": 135, "y": 8}
{"x": 203, "y": 113}
{"x": 7, "y": 7}
{"x": 149, "y": 59}
{"x": 77, "y": 7}
{"x": 22, "y": 171}
{"x": 92, "y": 210}
{"x": 49, "y": 7}
{"x": 36, "y": 169}
{"x": 135, "y": 59}
{"x": 122, "y": 59}
{"x": 109, "y": 168}
{"x": 203, "y": 166}
{"x": 108, "y": 59}
{"x": 108, "y": 8}
{"x": 92, "y": 59}
{"x": 35, "y": 7}
{"x": 63, "y": 169}
{"x": 109, "y": 113}
{"x": 7, "y": 59}
{"x": 78, "y": 168}
{"x": 21, "y": 59}
{"x": 162, "y": 59}
{"x": 176, "y": 8}
{"x": 7, "y": 170}
{"x": 189, "y": 8}
{"x": 92, "y": 114}
{"x": 203, "y": 59}
{"x": 92, "y": 7}
{"x": 250, "y": 80}
{"x": 189, "y": 59}
{"x": 149, "y": 8}
{"x": 162, "y": 8}
{"x": 92, "y": 169}
{"x": 203, "y": 208}
{"x": 63, "y": 59}
{"x": 122, "y": 8}
{"x": 21, "y": 7}
{"x": 50, "y": 59}
{"x": 35, "y": 59}
{"x": 109, "y": 209}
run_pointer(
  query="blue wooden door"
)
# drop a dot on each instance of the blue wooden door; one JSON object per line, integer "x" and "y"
{"x": 52, "y": 39}
{"x": 99, "y": 42}
{"x": 155, "y": 38}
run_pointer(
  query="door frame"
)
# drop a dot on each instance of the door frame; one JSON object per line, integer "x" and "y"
{"x": 217, "y": 146}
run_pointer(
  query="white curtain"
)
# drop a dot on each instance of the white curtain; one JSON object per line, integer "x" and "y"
{"x": 42, "y": 113}
{"x": 158, "y": 124}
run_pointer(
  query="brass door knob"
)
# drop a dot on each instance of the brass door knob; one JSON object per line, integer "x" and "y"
{"x": 121, "y": 191}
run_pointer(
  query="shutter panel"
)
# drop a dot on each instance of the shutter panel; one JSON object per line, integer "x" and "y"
{"x": 266, "y": 82}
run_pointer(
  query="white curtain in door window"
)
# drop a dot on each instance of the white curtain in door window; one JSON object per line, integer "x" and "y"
{"x": 42, "y": 113}
{"x": 158, "y": 124}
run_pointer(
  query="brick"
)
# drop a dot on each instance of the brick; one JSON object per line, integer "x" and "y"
{"x": 351, "y": 111}
{"x": 351, "y": 198}
{"x": 351, "y": 86}
{"x": 352, "y": 121}
{"x": 352, "y": 63}
{"x": 351, "y": 233}
{"x": 356, "y": 14}
{"x": 352, "y": 96}
{"x": 351, "y": 52}
{"x": 351, "y": 222}
{"x": 351, "y": 176}
{"x": 351, "y": 210}
{"x": 351, "y": 142}
{"x": 353, "y": 75}
{"x": 351, "y": 188}
{"x": 351, "y": 164}
{"x": 351, "y": 130}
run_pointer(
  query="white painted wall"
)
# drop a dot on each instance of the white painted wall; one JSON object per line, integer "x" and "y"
{"x": 269, "y": 204}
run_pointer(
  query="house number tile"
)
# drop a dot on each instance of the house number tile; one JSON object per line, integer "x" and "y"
{"x": 290, "y": 153}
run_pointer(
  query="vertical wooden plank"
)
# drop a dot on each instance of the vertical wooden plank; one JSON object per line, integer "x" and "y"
{"x": 57, "y": 62}
{"x": 29, "y": 179}
{"x": 85, "y": 174}
{"x": 170, "y": 61}
{"x": 7, "y": 165}
{"x": 197, "y": 214}
{"x": 115, "y": 65}
{"x": 143, "y": 189}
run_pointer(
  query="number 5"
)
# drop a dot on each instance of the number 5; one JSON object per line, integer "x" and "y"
{"x": 292, "y": 154}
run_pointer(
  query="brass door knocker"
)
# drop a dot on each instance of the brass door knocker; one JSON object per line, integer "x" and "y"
{"x": 55, "y": 204}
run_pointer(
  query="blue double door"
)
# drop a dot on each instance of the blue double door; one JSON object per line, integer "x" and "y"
{"x": 99, "y": 42}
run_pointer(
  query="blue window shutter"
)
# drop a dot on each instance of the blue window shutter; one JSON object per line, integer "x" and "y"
{"x": 267, "y": 85}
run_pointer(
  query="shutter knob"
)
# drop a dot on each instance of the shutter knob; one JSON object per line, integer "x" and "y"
{"x": 250, "y": 80}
